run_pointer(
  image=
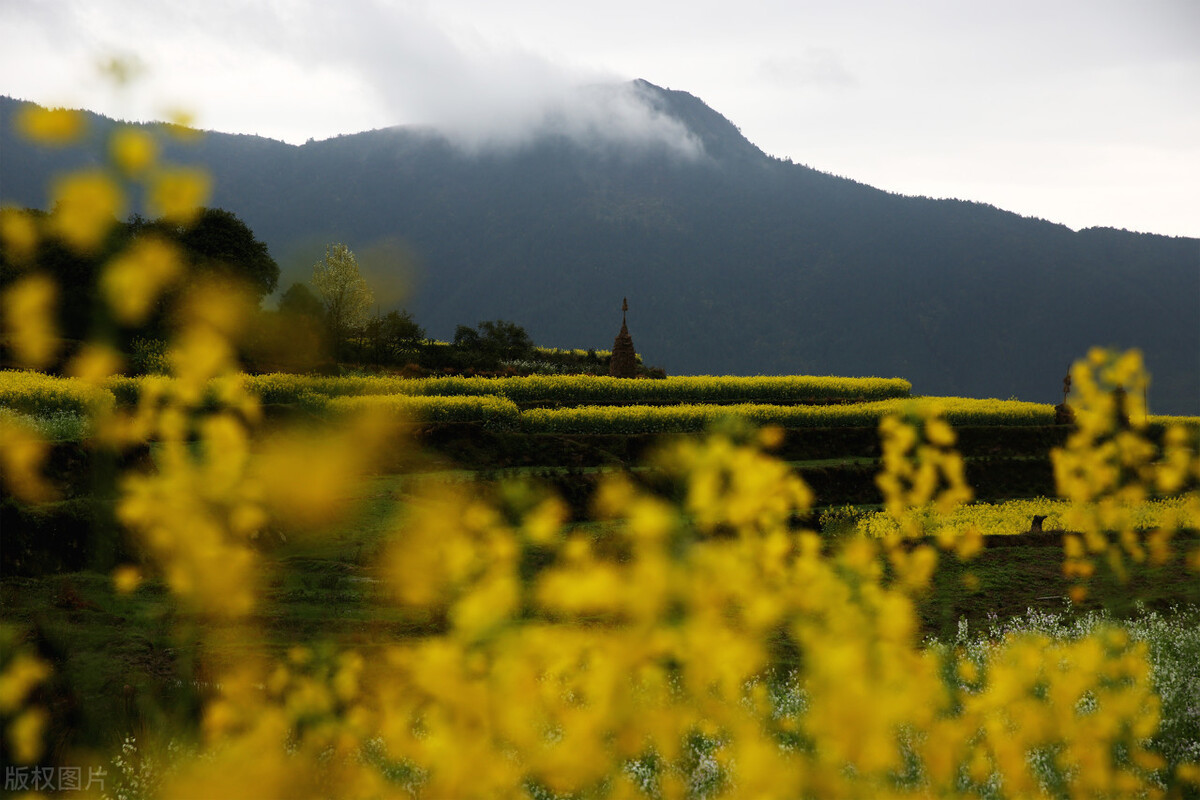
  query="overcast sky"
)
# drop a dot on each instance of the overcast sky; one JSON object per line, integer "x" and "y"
{"x": 1084, "y": 112}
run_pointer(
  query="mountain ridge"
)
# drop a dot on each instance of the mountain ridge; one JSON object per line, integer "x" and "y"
{"x": 736, "y": 263}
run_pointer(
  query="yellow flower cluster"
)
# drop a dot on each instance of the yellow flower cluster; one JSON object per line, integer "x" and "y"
{"x": 55, "y": 127}
{"x": 487, "y": 409}
{"x": 22, "y": 721}
{"x": 200, "y": 513}
{"x": 1015, "y": 516}
{"x": 28, "y": 320}
{"x": 731, "y": 488}
{"x": 1109, "y": 467}
{"x": 37, "y": 393}
{"x": 197, "y": 516}
{"x": 682, "y": 418}
{"x": 1097, "y": 684}
{"x": 598, "y": 390}
{"x": 920, "y": 467}
{"x": 18, "y": 233}
{"x": 86, "y": 205}
{"x": 137, "y": 276}
{"x": 22, "y": 454}
{"x": 669, "y": 630}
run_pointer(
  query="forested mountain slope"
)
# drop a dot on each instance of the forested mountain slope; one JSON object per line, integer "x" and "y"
{"x": 733, "y": 261}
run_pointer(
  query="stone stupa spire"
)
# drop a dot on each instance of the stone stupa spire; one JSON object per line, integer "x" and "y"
{"x": 624, "y": 358}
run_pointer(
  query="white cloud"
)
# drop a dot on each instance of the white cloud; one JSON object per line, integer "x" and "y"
{"x": 905, "y": 96}
{"x": 814, "y": 67}
{"x": 479, "y": 93}
{"x": 310, "y": 69}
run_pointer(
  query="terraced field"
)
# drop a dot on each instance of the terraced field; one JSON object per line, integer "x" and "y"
{"x": 487, "y": 437}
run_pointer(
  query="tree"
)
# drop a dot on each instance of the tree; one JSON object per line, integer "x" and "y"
{"x": 505, "y": 341}
{"x": 394, "y": 336}
{"x": 220, "y": 242}
{"x": 492, "y": 342}
{"x": 299, "y": 301}
{"x": 343, "y": 292}
{"x": 401, "y": 333}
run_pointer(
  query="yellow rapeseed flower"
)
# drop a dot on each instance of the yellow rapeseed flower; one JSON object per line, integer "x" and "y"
{"x": 56, "y": 127}
{"x": 20, "y": 676}
{"x": 133, "y": 150}
{"x": 181, "y": 124}
{"x": 25, "y": 735}
{"x": 178, "y": 194}
{"x": 86, "y": 205}
{"x": 19, "y": 234}
{"x": 29, "y": 319}
{"x": 126, "y": 579}
{"x": 94, "y": 363}
{"x": 134, "y": 279}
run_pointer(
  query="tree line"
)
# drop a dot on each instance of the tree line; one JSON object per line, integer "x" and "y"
{"x": 334, "y": 312}
{"x": 316, "y": 326}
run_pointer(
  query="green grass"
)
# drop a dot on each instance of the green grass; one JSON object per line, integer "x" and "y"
{"x": 55, "y": 426}
{"x": 1014, "y": 579}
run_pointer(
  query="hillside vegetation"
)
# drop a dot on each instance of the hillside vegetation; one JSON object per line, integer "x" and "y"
{"x": 733, "y": 262}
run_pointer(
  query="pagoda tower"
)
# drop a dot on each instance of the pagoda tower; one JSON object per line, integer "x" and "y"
{"x": 624, "y": 359}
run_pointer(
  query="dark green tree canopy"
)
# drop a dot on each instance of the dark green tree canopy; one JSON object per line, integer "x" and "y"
{"x": 497, "y": 340}
{"x": 300, "y": 301}
{"x": 401, "y": 332}
{"x": 466, "y": 338}
{"x": 220, "y": 242}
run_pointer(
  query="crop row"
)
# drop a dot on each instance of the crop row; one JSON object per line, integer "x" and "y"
{"x": 685, "y": 418}
{"x": 558, "y": 390}
{"x": 1015, "y": 516}
{"x": 37, "y": 394}
{"x": 695, "y": 417}
{"x": 466, "y": 400}
{"x": 490, "y": 410}
{"x": 582, "y": 390}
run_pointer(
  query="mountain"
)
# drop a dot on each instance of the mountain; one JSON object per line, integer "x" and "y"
{"x": 733, "y": 262}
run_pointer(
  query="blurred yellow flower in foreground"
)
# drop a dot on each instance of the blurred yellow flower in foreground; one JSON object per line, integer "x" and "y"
{"x": 134, "y": 279}
{"x": 22, "y": 674}
{"x": 134, "y": 151}
{"x": 56, "y": 127}
{"x": 94, "y": 363}
{"x": 19, "y": 234}
{"x": 29, "y": 319}
{"x": 178, "y": 194}
{"x": 25, "y": 735}
{"x": 22, "y": 454}
{"x": 86, "y": 206}
{"x": 126, "y": 579}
